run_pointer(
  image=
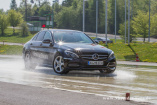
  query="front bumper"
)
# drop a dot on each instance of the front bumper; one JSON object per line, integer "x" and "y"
{"x": 82, "y": 64}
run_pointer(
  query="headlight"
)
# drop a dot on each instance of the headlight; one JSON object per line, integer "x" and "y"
{"x": 111, "y": 55}
{"x": 71, "y": 54}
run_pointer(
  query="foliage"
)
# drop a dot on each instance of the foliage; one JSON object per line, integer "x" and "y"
{"x": 132, "y": 33}
{"x": 35, "y": 10}
{"x": 64, "y": 16}
{"x": 74, "y": 20}
{"x": 67, "y": 3}
{"x": 45, "y": 8}
{"x": 153, "y": 25}
{"x": 22, "y": 9}
{"x": 39, "y": 2}
{"x": 1, "y": 11}
{"x": 24, "y": 29}
{"x": 140, "y": 24}
{"x": 13, "y": 5}
{"x": 15, "y": 18}
{"x": 3, "y": 23}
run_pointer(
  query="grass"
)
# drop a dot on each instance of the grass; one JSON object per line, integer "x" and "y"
{"x": 17, "y": 38}
{"x": 147, "y": 52}
{"x": 11, "y": 50}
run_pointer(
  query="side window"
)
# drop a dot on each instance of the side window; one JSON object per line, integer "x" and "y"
{"x": 40, "y": 36}
{"x": 35, "y": 37}
{"x": 48, "y": 36}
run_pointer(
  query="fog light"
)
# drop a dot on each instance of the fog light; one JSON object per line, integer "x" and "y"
{"x": 112, "y": 64}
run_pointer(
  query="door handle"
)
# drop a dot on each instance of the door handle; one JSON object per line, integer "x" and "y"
{"x": 41, "y": 44}
{"x": 31, "y": 44}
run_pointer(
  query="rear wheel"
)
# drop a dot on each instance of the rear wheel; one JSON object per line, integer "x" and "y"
{"x": 29, "y": 65}
{"x": 58, "y": 65}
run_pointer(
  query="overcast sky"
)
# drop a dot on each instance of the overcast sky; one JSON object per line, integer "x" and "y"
{"x": 5, "y": 4}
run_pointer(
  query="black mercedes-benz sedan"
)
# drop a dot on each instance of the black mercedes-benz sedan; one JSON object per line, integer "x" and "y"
{"x": 66, "y": 50}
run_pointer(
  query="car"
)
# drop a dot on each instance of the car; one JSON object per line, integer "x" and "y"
{"x": 103, "y": 40}
{"x": 66, "y": 50}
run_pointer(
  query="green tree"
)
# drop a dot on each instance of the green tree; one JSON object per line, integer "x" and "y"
{"x": 91, "y": 15}
{"x": 24, "y": 29}
{"x": 35, "y": 10}
{"x": 39, "y": 2}
{"x": 1, "y": 11}
{"x": 67, "y": 3}
{"x": 13, "y": 5}
{"x": 140, "y": 24}
{"x": 15, "y": 18}
{"x": 45, "y": 9}
{"x": 153, "y": 28}
{"x": 3, "y": 23}
{"x": 63, "y": 17}
{"x": 22, "y": 9}
{"x": 122, "y": 32}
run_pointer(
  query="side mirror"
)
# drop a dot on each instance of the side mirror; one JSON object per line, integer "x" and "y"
{"x": 96, "y": 41}
{"x": 48, "y": 41}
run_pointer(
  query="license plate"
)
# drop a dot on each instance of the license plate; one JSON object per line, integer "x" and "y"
{"x": 95, "y": 62}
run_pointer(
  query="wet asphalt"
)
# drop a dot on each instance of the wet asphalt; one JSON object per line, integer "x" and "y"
{"x": 139, "y": 81}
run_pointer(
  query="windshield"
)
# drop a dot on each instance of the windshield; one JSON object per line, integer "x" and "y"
{"x": 71, "y": 37}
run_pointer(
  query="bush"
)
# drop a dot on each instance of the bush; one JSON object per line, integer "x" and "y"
{"x": 3, "y": 23}
{"x": 24, "y": 29}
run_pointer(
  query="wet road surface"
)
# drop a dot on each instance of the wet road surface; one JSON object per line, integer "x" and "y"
{"x": 139, "y": 81}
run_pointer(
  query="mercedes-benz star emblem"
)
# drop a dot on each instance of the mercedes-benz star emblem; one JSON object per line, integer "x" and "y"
{"x": 95, "y": 56}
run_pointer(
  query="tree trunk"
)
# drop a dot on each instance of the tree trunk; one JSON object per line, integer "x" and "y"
{"x": 144, "y": 36}
{"x": 2, "y": 32}
{"x": 13, "y": 30}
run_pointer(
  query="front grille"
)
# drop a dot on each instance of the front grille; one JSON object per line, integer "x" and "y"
{"x": 89, "y": 56}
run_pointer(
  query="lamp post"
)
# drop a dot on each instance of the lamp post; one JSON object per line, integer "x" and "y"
{"x": 96, "y": 18}
{"x": 125, "y": 21}
{"x": 115, "y": 20}
{"x": 83, "y": 15}
{"x": 26, "y": 10}
{"x": 106, "y": 21}
{"x": 128, "y": 22}
{"x": 149, "y": 24}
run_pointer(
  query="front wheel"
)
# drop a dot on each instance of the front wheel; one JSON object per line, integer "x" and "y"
{"x": 106, "y": 71}
{"x": 58, "y": 65}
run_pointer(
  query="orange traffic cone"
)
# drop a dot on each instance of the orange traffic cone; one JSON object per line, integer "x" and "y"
{"x": 137, "y": 58}
{"x": 127, "y": 97}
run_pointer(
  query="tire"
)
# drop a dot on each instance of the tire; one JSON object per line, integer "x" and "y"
{"x": 58, "y": 65}
{"x": 110, "y": 71}
{"x": 29, "y": 65}
{"x": 106, "y": 71}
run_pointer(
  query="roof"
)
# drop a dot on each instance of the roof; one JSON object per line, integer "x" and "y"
{"x": 62, "y": 30}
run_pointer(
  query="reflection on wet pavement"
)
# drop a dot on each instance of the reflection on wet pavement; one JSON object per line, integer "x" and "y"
{"x": 140, "y": 81}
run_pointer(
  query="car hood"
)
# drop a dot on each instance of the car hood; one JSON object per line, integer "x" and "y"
{"x": 86, "y": 48}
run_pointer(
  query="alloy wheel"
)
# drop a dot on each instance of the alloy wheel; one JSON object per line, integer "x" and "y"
{"x": 59, "y": 64}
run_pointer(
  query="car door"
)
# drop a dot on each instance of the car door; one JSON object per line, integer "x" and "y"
{"x": 36, "y": 48}
{"x": 47, "y": 48}
{"x": 33, "y": 45}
